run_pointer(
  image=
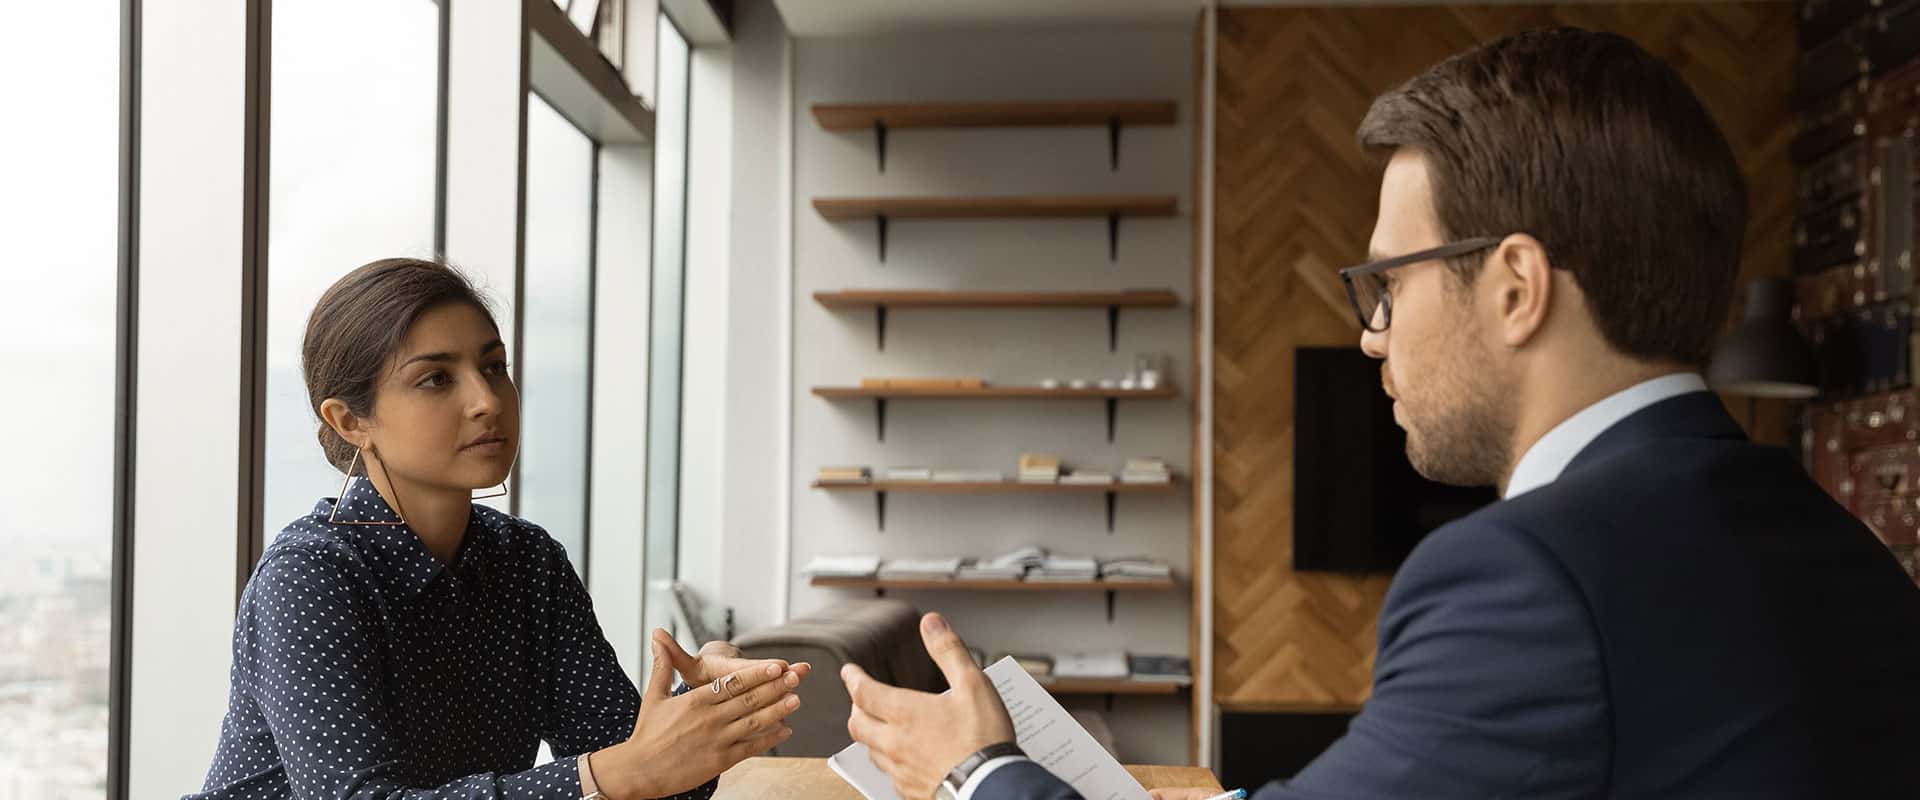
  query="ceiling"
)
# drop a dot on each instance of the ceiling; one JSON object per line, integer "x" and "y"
{"x": 850, "y": 17}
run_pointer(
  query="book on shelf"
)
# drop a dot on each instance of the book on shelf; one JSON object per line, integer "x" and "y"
{"x": 977, "y": 570}
{"x": 1065, "y": 569}
{"x": 1039, "y": 665}
{"x": 1146, "y": 471}
{"x": 919, "y": 569}
{"x": 968, "y": 476}
{"x": 844, "y": 475}
{"x": 1091, "y": 666}
{"x": 1140, "y": 569}
{"x": 1176, "y": 670}
{"x": 922, "y": 383}
{"x": 1029, "y": 557}
{"x": 1086, "y": 478}
{"x": 909, "y": 474}
{"x": 842, "y": 567}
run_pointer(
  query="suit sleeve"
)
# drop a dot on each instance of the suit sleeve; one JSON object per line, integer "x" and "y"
{"x": 1024, "y": 780}
{"x": 1488, "y": 682}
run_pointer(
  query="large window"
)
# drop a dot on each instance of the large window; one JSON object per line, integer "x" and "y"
{"x": 557, "y": 347}
{"x": 669, "y": 296}
{"x": 351, "y": 177}
{"x": 58, "y": 285}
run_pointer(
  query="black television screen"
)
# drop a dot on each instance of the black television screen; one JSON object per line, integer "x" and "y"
{"x": 1358, "y": 505}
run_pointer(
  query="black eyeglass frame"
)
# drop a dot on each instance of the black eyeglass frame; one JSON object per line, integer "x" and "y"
{"x": 1370, "y": 269}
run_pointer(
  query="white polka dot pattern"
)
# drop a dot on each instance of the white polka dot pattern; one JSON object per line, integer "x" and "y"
{"x": 363, "y": 668}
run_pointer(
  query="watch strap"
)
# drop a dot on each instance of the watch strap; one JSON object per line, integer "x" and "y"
{"x": 958, "y": 777}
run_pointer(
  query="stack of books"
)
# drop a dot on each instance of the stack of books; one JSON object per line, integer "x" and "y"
{"x": 968, "y": 476}
{"x": 909, "y": 474}
{"x": 842, "y": 567}
{"x": 1091, "y": 666}
{"x": 1146, "y": 470}
{"x": 1065, "y": 569}
{"x": 844, "y": 475}
{"x": 1039, "y": 468}
{"x": 920, "y": 569}
{"x": 1176, "y": 670}
{"x": 1135, "y": 569}
{"x": 1082, "y": 477}
{"x": 974, "y": 569}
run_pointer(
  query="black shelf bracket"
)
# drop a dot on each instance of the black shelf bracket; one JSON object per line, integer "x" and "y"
{"x": 880, "y": 419}
{"x": 1113, "y": 329}
{"x": 879, "y": 591}
{"x": 880, "y": 509}
{"x": 1110, "y": 702}
{"x": 1110, "y": 598}
{"x": 881, "y": 220}
{"x": 1113, "y": 236}
{"x": 880, "y": 143}
{"x": 1113, "y": 410}
{"x": 1112, "y": 498}
{"x": 880, "y": 326}
{"x": 1113, "y": 141}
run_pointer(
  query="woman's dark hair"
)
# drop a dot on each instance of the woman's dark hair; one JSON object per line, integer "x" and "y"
{"x": 359, "y": 324}
{"x": 1603, "y": 153}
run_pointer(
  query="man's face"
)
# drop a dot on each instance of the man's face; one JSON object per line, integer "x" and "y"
{"x": 1448, "y": 382}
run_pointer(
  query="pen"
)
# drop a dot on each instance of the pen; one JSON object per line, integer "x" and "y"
{"x": 1237, "y": 794}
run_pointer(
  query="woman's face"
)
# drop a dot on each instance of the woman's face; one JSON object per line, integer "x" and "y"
{"x": 446, "y": 414}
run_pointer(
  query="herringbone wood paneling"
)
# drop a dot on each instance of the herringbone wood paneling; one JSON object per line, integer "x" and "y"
{"x": 1295, "y": 196}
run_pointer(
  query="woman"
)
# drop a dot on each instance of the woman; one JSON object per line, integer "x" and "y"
{"x": 402, "y": 641}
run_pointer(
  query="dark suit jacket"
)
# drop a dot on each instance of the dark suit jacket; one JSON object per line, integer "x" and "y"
{"x": 1682, "y": 613}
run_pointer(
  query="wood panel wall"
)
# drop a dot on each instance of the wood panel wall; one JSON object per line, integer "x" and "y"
{"x": 1295, "y": 201}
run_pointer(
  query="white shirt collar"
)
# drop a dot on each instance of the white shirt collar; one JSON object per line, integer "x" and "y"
{"x": 1550, "y": 455}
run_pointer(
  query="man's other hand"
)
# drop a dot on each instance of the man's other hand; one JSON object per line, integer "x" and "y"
{"x": 917, "y": 738}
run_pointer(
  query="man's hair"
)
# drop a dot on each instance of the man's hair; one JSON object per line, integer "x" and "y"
{"x": 1597, "y": 149}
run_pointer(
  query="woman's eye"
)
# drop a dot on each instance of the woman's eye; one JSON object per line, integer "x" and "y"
{"x": 432, "y": 379}
{"x": 497, "y": 368}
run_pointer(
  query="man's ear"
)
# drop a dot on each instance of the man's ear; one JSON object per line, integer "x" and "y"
{"x": 1521, "y": 283}
{"x": 355, "y": 430}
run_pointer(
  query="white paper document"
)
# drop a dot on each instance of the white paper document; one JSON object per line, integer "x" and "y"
{"x": 1042, "y": 728}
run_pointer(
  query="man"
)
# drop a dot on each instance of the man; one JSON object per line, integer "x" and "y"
{"x": 1657, "y": 608}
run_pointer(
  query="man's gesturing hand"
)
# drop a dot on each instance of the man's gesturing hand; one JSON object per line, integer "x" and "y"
{"x": 917, "y": 738}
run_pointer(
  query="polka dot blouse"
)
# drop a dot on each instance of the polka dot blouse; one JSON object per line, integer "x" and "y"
{"x": 364, "y": 668}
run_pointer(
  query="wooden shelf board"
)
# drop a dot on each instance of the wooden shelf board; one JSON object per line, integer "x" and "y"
{"x": 1002, "y": 487}
{"x": 995, "y": 585}
{"x": 1302, "y": 707}
{"x": 842, "y": 208}
{"x": 997, "y": 392}
{"x": 1120, "y": 686}
{"x": 864, "y": 116}
{"x": 897, "y": 299}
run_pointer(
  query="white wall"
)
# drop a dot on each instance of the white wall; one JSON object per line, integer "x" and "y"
{"x": 732, "y": 429}
{"x": 1012, "y": 347}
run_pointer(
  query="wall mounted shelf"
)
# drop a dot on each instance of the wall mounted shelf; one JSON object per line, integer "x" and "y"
{"x": 884, "y": 117}
{"x": 885, "y": 209}
{"x": 880, "y": 397}
{"x": 881, "y": 489}
{"x": 1110, "y": 687}
{"x": 882, "y": 301}
{"x": 1112, "y": 588}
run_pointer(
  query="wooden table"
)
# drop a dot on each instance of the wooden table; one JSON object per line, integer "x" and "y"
{"x": 810, "y": 778}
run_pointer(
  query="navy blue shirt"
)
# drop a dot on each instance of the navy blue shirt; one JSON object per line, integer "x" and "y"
{"x": 363, "y": 667}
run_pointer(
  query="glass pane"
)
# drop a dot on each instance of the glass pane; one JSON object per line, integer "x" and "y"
{"x": 60, "y": 198}
{"x": 553, "y": 353}
{"x": 354, "y": 112}
{"x": 669, "y": 280}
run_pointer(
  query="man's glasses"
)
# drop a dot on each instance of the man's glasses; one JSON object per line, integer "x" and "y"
{"x": 1367, "y": 283}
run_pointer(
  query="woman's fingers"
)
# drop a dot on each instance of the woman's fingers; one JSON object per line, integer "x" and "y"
{"x": 742, "y": 682}
{"x": 755, "y": 746}
{"x": 763, "y": 720}
{"x": 761, "y": 696}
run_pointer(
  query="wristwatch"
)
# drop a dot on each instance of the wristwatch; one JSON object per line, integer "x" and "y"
{"x": 589, "y": 790}
{"x": 949, "y": 789}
